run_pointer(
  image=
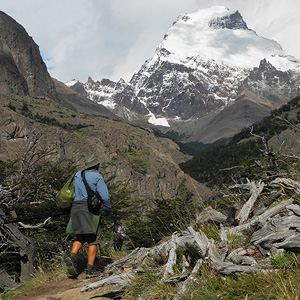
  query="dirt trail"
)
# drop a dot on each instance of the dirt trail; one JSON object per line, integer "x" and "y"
{"x": 63, "y": 287}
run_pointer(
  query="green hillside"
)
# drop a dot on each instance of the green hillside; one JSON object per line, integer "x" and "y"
{"x": 259, "y": 151}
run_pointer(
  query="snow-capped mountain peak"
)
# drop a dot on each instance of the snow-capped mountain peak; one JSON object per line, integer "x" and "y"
{"x": 206, "y": 61}
{"x": 221, "y": 35}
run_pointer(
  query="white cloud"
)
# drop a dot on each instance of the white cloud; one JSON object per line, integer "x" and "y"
{"x": 111, "y": 39}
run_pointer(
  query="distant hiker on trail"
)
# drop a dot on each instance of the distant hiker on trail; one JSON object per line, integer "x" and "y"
{"x": 120, "y": 231}
{"x": 83, "y": 224}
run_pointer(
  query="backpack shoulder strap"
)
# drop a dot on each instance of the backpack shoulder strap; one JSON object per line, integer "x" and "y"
{"x": 88, "y": 189}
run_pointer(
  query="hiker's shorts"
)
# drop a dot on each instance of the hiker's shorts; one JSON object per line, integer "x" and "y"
{"x": 90, "y": 239}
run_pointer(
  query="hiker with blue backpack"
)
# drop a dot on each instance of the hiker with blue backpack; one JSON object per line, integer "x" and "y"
{"x": 83, "y": 223}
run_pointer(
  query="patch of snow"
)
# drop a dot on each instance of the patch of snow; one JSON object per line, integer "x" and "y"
{"x": 108, "y": 104}
{"x": 157, "y": 121}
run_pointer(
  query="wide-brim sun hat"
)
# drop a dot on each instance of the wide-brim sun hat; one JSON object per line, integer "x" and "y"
{"x": 91, "y": 161}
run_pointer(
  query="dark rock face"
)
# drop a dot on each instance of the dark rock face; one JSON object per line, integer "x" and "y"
{"x": 272, "y": 84}
{"x": 174, "y": 90}
{"x": 23, "y": 71}
{"x": 233, "y": 21}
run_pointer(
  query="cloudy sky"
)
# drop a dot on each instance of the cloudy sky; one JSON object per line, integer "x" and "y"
{"x": 112, "y": 38}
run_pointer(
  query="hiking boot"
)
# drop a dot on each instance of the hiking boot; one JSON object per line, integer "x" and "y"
{"x": 71, "y": 263}
{"x": 93, "y": 272}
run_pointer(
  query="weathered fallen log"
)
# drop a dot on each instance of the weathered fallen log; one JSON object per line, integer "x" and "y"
{"x": 255, "y": 189}
{"x": 260, "y": 220}
{"x": 291, "y": 243}
{"x": 271, "y": 199}
{"x": 287, "y": 183}
{"x": 223, "y": 243}
{"x": 191, "y": 279}
{"x": 233, "y": 269}
{"x": 160, "y": 252}
{"x": 237, "y": 252}
{"x": 225, "y": 267}
{"x": 286, "y": 222}
{"x": 176, "y": 278}
{"x": 294, "y": 208}
{"x": 210, "y": 215}
{"x": 121, "y": 280}
{"x": 273, "y": 229}
{"x": 279, "y": 232}
{"x": 243, "y": 260}
{"x": 270, "y": 213}
{"x": 201, "y": 240}
{"x": 133, "y": 260}
{"x": 267, "y": 235}
{"x": 169, "y": 272}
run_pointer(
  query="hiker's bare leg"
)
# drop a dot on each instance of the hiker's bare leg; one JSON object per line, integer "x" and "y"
{"x": 92, "y": 251}
{"x": 76, "y": 247}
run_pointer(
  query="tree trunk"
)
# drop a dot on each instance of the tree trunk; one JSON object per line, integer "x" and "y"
{"x": 26, "y": 246}
{"x": 6, "y": 281}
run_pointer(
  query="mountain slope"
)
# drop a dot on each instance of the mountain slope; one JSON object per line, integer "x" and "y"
{"x": 205, "y": 62}
{"x": 130, "y": 155}
{"x": 258, "y": 151}
{"x": 35, "y": 118}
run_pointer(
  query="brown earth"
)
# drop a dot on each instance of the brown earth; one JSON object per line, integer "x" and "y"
{"x": 65, "y": 287}
{"x": 62, "y": 287}
{"x": 133, "y": 156}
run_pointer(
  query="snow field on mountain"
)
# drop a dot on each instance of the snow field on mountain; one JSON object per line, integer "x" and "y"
{"x": 191, "y": 36}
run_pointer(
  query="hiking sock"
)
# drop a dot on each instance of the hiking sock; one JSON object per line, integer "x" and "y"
{"x": 89, "y": 267}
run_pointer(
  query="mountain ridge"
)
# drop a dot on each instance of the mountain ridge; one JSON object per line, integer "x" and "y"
{"x": 206, "y": 60}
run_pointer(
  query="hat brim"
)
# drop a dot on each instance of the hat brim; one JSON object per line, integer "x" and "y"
{"x": 92, "y": 164}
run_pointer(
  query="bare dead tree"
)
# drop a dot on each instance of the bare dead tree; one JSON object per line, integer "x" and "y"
{"x": 36, "y": 150}
{"x": 267, "y": 149}
{"x": 12, "y": 241}
{"x": 287, "y": 122}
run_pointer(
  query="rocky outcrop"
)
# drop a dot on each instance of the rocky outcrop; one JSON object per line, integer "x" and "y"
{"x": 232, "y": 21}
{"x": 22, "y": 70}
